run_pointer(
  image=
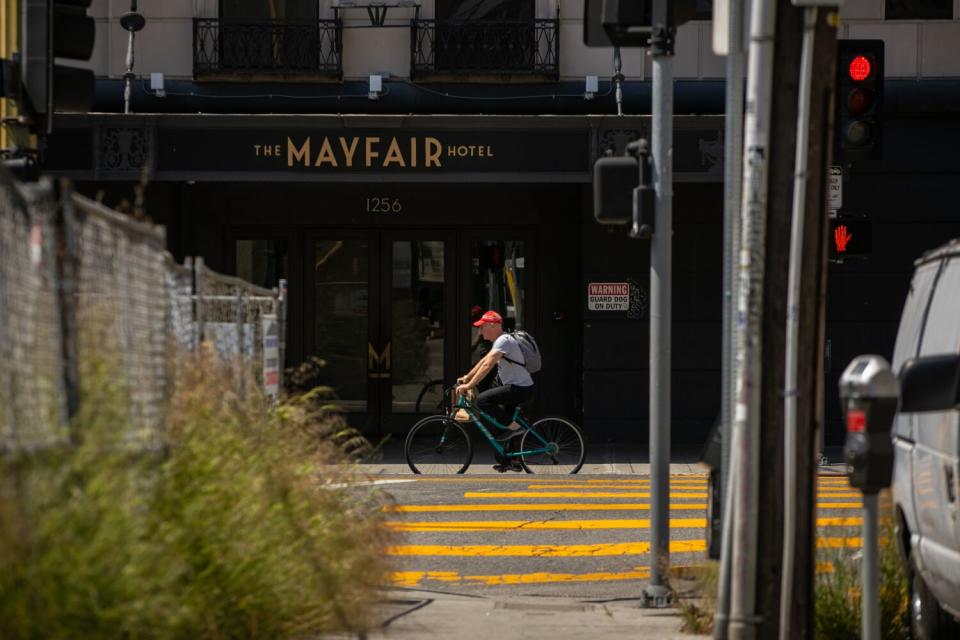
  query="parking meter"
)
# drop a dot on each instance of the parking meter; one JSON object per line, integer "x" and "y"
{"x": 869, "y": 393}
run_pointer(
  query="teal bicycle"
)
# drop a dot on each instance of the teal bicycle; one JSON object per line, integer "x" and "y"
{"x": 440, "y": 444}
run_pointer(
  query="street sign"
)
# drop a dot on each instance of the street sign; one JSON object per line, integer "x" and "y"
{"x": 835, "y": 188}
{"x": 608, "y": 296}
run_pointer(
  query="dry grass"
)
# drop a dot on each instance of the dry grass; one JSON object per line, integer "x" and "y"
{"x": 245, "y": 527}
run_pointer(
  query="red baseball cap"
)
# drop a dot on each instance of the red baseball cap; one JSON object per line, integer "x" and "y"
{"x": 490, "y": 317}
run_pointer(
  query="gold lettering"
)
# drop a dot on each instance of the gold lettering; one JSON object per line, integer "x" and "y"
{"x": 452, "y": 151}
{"x": 349, "y": 151}
{"x": 413, "y": 151}
{"x": 394, "y": 154}
{"x": 326, "y": 154}
{"x": 293, "y": 154}
{"x": 462, "y": 150}
{"x": 276, "y": 150}
{"x": 480, "y": 152}
{"x": 473, "y": 149}
{"x": 256, "y": 150}
{"x": 489, "y": 151}
{"x": 432, "y": 151}
{"x": 370, "y": 153}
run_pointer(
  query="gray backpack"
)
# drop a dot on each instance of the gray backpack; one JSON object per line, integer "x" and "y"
{"x": 531, "y": 352}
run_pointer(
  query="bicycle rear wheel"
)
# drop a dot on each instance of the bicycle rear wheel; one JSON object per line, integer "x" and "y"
{"x": 438, "y": 445}
{"x": 565, "y": 449}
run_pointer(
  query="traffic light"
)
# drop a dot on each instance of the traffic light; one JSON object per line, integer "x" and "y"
{"x": 628, "y": 23}
{"x": 55, "y": 29}
{"x": 859, "y": 98}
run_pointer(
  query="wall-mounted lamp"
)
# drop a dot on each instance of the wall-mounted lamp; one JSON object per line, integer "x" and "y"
{"x": 156, "y": 85}
{"x": 591, "y": 85}
{"x": 376, "y": 87}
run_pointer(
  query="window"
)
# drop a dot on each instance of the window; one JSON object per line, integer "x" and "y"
{"x": 463, "y": 10}
{"x": 269, "y": 35}
{"x": 919, "y": 9}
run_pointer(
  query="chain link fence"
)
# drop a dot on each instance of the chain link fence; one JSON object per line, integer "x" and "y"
{"x": 86, "y": 291}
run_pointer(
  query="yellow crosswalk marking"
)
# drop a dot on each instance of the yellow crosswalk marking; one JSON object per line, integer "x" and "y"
{"x": 413, "y": 578}
{"x": 543, "y": 550}
{"x": 573, "y": 494}
{"x": 577, "y": 550}
{"x": 540, "y": 525}
{"x": 591, "y": 486}
{"x": 839, "y": 505}
{"x": 534, "y": 506}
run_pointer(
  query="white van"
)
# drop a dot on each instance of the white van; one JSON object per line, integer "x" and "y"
{"x": 926, "y": 435}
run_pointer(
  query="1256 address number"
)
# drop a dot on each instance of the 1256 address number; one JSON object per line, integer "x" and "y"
{"x": 383, "y": 205}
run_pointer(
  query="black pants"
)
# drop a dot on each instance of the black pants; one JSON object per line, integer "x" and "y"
{"x": 501, "y": 402}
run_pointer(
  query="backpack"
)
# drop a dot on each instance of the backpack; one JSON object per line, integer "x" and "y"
{"x": 532, "y": 361}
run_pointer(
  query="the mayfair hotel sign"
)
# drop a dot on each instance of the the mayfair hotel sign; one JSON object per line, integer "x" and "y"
{"x": 374, "y": 152}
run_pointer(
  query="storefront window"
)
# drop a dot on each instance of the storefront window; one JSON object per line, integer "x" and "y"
{"x": 341, "y": 317}
{"x": 498, "y": 279}
{"x": 262, "y": 262}
{"x": 417, "y": 308}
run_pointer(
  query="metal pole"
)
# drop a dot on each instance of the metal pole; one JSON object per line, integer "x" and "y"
{"x": 658, "y": 592}
{"x": 792, "y": 362}
{"x": 746, "y": 432}
{"x": 732, "y": 179}
{"x": 132, "y": 22}
{"x": 870, "y": 575}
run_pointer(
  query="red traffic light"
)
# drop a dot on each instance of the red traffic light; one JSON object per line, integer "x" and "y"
{"x": 860, "y": 68}
{"x": 859, "y": 101}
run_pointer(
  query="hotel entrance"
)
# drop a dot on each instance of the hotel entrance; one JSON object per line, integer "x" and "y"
{"x": 382, "y": 317}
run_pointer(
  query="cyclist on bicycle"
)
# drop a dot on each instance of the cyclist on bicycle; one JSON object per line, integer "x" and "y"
{"x": 516, "y": 384}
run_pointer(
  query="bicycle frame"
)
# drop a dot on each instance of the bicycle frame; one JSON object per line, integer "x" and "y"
{"x": 476, "y": 413}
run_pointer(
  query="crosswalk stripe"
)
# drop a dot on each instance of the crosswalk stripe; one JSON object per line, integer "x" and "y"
{"x": 592, "y": 486}
{"x": 577, "y": 550}
{"x": 534, "y": 506}
{"x": 540, "y": 525}
{"x": 570, "y": 506}
{"x": 573, "y": 494}
{"x": 543, "y": 550}
{"x": 413, "y": 578}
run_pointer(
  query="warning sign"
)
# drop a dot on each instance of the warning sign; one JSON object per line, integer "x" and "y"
{"x": 608, "y": 296}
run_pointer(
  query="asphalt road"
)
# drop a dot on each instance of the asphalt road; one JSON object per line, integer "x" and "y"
{"x": 580, "y": 537}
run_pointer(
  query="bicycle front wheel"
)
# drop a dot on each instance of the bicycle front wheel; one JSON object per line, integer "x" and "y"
{"x": 438, "y": 445}
{"x": 561, "y": 443}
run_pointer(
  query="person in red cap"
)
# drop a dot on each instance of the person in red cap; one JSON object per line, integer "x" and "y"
{"x": 516, "y": 384}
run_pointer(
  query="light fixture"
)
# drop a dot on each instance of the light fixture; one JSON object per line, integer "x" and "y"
{"x": 591, "y": 85}
{"x": 376, "y": 87}
{"x": 156, "y": 84}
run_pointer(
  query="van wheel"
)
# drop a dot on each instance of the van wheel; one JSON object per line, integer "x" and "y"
{"x": 928, "y": 621}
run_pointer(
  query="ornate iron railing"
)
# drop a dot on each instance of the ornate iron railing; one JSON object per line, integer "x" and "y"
{"x": 223, "y": 48}
{"x": 485, "y": 47}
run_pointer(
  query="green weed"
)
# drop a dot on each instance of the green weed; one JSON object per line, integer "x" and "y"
{"x": 242, "y": 526}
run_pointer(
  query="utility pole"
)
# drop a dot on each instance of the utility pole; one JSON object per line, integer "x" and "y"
{"x": 658, "y": 593}
{"x": 772, "y": 179}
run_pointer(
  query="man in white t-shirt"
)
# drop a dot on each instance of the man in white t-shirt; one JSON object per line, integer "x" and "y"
{"x": 516, "y": 384}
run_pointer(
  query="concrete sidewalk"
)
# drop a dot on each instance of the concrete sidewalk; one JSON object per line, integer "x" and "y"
{"x": 416, "y": 614}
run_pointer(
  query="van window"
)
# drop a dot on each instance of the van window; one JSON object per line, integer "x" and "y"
{"x": 911, "y": 321}
{"x": 942, "y": 333}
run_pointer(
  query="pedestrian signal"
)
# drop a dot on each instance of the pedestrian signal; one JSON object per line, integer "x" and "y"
{"x": 850, "y": 238}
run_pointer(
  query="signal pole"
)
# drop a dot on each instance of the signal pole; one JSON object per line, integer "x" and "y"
{"x": 658, "y": 593}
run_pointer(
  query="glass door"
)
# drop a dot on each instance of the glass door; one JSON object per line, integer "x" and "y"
{"x": 416, "y": 307}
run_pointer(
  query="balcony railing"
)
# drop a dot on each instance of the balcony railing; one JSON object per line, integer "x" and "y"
{"x": 229, "y": 49}
{"x": 485, "y": 47}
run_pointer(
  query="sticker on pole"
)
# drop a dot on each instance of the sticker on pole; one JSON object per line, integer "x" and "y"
{"x": 271, "y": 354}
{"x": 608, "y": 296}
{"x": 835, "y": 188}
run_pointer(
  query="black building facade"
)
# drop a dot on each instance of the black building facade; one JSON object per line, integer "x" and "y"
{"x": 390, "y": 229}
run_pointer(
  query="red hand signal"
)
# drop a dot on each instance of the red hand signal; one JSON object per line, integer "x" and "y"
{"x": 841, "y": 238}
